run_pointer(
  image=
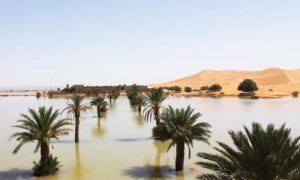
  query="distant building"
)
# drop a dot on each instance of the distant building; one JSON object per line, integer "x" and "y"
{"x": 79, "y": 88}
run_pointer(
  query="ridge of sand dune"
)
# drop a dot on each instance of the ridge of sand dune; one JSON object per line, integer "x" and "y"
{"x": 271, "y": 81}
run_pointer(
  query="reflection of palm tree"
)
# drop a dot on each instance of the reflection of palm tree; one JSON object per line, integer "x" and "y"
{"x": 139, "y": 119}
{"x": 159, "y": 170}
{"x": 99, "y": 131}
{"x": 161, "y": 148}
{"x": 77, "y": 172}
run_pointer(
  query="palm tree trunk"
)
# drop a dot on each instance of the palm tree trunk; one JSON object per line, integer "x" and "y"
{"x": 156, "y": 115}
{"x": 99, "y": 111}
{"x": 139, "y": 108}
{"x": 179, "y": 156}
{"x": 77, "y": 123}
{"x": 44, "y": 151}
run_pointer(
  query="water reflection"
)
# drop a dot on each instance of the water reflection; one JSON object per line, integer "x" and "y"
{"x": 156, "y": 167}
{"x": 139, "y": 119}
{"x": 99, "y": 130}
{"x": 150, "y": 172}
{"x": 161, "y": 149}
{"x": 112, "y": 106}
{"x": 77, "y": 169}
{"x": 133, "y": 108}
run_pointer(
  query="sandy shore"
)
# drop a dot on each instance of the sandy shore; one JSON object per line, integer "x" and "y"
{"x": 272, "y": 82}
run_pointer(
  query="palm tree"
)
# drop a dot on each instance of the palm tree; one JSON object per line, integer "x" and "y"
{"x": 154, "y": 99}
{"x": 113, "y": 95}
{"x": 76, "y": 107}
{"x": 259, "y": 154}
{"x": 179, "y": 126}
{"x": 140, "y": 101}
{"x": 100, "y": 103}
{"x": 41, "y": 126}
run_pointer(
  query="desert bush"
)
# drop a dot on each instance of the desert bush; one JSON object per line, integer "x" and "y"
{"x": 215, "y": 87}
{"x": 248, "y": 85}
{"x": 38, "y": 94}
{"x": 295, "y": 94}
{"x": 177, "y": 89}
{"x": 188, "y": 89}
{"x": 48, "y": 167}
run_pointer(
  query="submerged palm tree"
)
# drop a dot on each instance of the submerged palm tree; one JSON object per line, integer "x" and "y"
{"x": 259, "y": 154}
{"x": 179, "y": 126}
{"x": 154, "y": 99}
{"x": 76, "y": 107}
{"x": 140, "y": 101}
{"x": 40, "y": 127}
{"x": 100, "y": 103}
{"x": 113, "y": 95}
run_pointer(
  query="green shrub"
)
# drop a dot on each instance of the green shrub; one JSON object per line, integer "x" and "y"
{"x": 177, "y": 89}
{"x": 48, "y": 167}
{"x": 132, "y": 94}
{"x": 295, "y": 94}
{"x": 38, "y": 94}
{"x": 215, "y": 87}
{"x": 188, "y": 89}
{"x": 248, "y": 85}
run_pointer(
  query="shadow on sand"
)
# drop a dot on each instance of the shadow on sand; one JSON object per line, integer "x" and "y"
{"x": 150, "y": 172}
{"x": 15, "y": 174}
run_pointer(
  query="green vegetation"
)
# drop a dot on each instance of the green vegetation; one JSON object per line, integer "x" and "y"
{"x": 41, "y": 127}
{"x": 113, "y": 95}
{"x": 48, "y": 167}
{"x": 76, "y": 107}
{"x": 100, "y": 103}
{"x": 176, "y": 89}
{"x": 247, "y": 86}
{"x": 179, "y": 126}
{"x": 38, "y": 94}
{"x": 188, "y": 89}
{"x": 295, "y": 94}
{"x": 154, "y": 99}
{"x": 215, "y": 88}
{"x": 140, "y": 101}
{"x": 132, "y": 94}
{"x": 259, "y": 154}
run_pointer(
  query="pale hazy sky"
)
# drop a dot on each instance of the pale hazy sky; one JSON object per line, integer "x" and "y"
{"x": 143, "y": 41}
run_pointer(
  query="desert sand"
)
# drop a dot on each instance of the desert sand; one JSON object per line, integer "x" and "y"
{"x": 272, "y": 82}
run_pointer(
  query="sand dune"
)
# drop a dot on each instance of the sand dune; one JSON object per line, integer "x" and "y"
{"x": 271, "y": 82}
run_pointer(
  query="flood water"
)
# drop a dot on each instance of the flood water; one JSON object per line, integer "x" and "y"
{"x": 119, "y": 145}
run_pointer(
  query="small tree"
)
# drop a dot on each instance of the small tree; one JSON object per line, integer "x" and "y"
{"x": 215, "y": 87}
{"x": 38, "y": 94}
{"x": 295, "y": 94}
{"x": 182, "y": 128}
{"x": 188, "y": 89}
{"x": 177, "y": 89}
{"x": 248, "y": 85}
{"x": 132, "y": 94}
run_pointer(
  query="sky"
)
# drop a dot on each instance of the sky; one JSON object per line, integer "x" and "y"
{"x": 97, "y": 42}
